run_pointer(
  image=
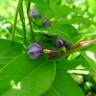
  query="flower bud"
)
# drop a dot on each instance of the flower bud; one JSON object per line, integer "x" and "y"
{"x": 54, "y": 54}
{"x": 34, "y": 14}
{"x": 63, "y": 43}
{"x": 59, "y": 42}
{"x": 38, "y": 16}
{"x": 34, "y": 51}
{"x": 46, "y": 23}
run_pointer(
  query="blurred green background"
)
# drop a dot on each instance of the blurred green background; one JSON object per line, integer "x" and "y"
{"x": 79, "y": 13}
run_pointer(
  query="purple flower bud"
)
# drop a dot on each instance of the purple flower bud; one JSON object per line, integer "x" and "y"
{"x": 38, "y": 16}
{"x": 53, "y": 54}
{"x": 34, "y": 10}
{"x": 34, "y": 14}
{"x": 34, "y": 51}
{"x": 59, "y": 42}
{"x": 62, "y": 43}
{"x": 46, "y": 23}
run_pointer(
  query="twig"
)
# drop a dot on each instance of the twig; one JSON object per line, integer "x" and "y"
{"x": 28, "y": 9}
{"x": 21, "y": 14}
{"x": 15, "y": 22}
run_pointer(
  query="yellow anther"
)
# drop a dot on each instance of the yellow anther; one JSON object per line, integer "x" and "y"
{"x": 47, "y": 51}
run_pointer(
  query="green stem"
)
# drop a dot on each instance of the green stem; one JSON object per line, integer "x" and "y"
{"x": 28, "y": 9}
{"x": 15, "y": 22}
{"x": 21, "y": 14}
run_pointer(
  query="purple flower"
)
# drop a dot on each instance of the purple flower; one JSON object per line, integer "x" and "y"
{"x": 59, "y": 42}
{"x": 46, "y": 23}
{"x": 34, "y": 14}
{"x": 63, "y": 43}
{"x": 34, "y": 51}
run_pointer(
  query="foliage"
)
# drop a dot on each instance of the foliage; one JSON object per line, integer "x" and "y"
{"x": 68, "y": 69}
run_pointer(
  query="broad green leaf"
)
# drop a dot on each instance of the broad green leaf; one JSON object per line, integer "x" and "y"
{"x": 62, "y": 10}
{"x": 53, "y": 9}
{"x": 53, "y": 3}
{"x": 9, "y": 50}
{"x": 33, "y": 76}
{"x": 64, "y": 85}
{"x": 47, "y": 12}
{"x": 78, "y": 20}
{"x": 65, "y": 31}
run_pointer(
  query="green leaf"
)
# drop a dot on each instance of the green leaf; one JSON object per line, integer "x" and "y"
{"x": 64, "y": 85}
{"x": 90, "y": 56}
{"x": 62, "y": 10}
{"x": 66, "y": 31}
{"x": 78, "y": 19}
{"x": 9, "y": 50}
{"x": 72, "y": 63}
{"x": 34, "y": 77}
{"x": 47, "y": 12}
{"x": 53, "y": 3}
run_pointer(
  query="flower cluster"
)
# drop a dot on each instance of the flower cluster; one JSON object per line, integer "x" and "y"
{"x": 35, "y": 15}
{"x": 35, "y": 50}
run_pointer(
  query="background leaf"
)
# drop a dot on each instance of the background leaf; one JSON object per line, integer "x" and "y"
{"x": 92, "y": 6}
